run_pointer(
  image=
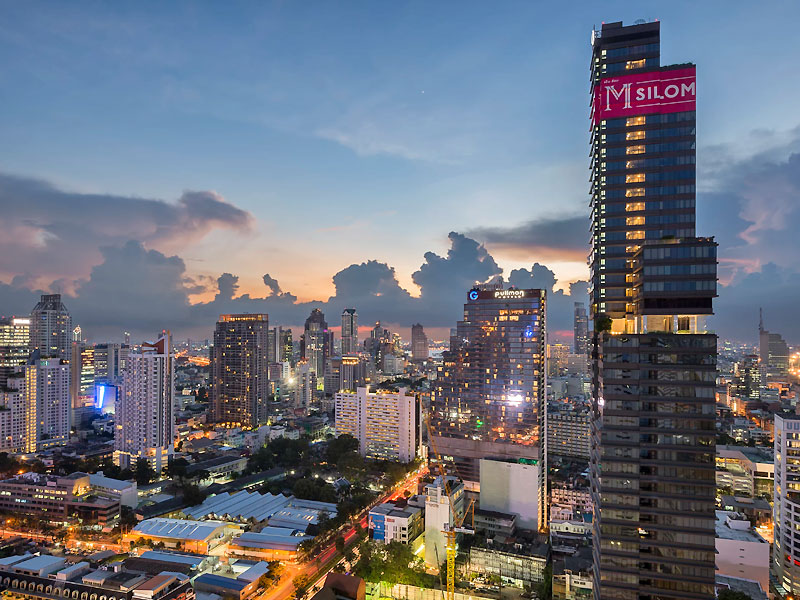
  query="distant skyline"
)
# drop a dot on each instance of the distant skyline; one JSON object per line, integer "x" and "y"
{"x": 165, "y": 163}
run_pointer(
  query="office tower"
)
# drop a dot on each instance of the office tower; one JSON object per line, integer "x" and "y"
{"x": 386, "y": 424}
{"x": 419, "y": 343}
{"x": 377, "y": 343}
{"x": 557, "y": 357}
{"x": 488, "y": 400}
{"x": 654, "y": 364}
{"x": 317, "y": 343}
{"x": 109, "y": 361}
{"x": 145, "y": 422}
{"x": 786, "y": 505}
{"x": 240, "y": 370}
{"x": 352, "y": 373}
{"x": 14, "y": 344}
{"x": 774, "y": 353}
{"x": 82, "y": 377}
{"x": 305, "y": 385}
{"x": 349, "y": 331}
{"x": 51, "y": 328}
{"x": 580, "y": 341}
{"x": 747, "y": 378}
{"x": 272, "y": 344}
{"x": 333, "y": 374}
{"x": 47, "y": 387}
{"x": 286, "y": 351}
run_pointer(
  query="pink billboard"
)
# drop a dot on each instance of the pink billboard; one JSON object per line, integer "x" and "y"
{"x": 645, "y": 93}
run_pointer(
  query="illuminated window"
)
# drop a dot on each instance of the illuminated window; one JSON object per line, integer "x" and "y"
{"x": 634, "y": 206}
{"x": 634, "y": 235}
{"x": 634, "y": 178}
{"x": 634, "y": 64}
{"x": 634, "y": 221}
{"x": 635, "y": 121}
{"x": 635, "y": 135}
{"x": 634, "y": 192}
{"x": 635, "y": 150}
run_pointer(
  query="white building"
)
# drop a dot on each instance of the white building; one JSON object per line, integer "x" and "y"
{"x": 17, "y": 415}
{"x": 305, "y": 384}
{"x": 439, "y": 515}
{"x": 741, "y": 552}
{"x": 386, "y": 424}
{"x": 513, "y": 488}
{"x": 388, "y": 523}
{"x": 786, "y": 506}
{"x": 47, "y": 387}
{"x": 145, "y": 422}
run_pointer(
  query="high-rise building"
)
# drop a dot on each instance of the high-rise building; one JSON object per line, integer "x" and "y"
{"x": 83, "y": 375}
{"x": 386, "y": 424}
{"x": 18, "y": 425}
{"x": 286, "y": 347}
{"x": 349, "y": 331}
{"x": 654, "y": 363}
{"x": 15, "y": 333}
{"x": 240, "y": 370}
{"x": 352, "y": 373}
{"x": 109, "y": 361}
{"x": 419, "y": 343}
{"x": 305, "y": 387}
{"x": 47, "y": 386}
{"x": 488, "y": 400}
{"x": 774, "y": 354}
{"x": 580, "y": 343}
{"x": 51, "y": 328}
{"x": 145, "y": 420}
{"x": 786, "y": 505}
{"x": 316, "y": 343}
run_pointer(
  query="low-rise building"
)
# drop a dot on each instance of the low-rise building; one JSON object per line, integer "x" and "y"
{"x": 124, "y": 490}
{"x": 493, "y": 523}
{"x": 271, "y": 543}
{"x": 741, "y": 552}
{"x": 519, "y": 564}
{"x": 58, "y": 499}
{"x": 226, "y": 587}
{"x": 746, "y": 470}
{"x": 572, "y": 576}
{"x": 390, "y": 523}
{"x": 192, "y": 536}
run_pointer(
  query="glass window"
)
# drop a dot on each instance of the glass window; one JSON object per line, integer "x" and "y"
{"x": 635, "y": 150}
{"x": 634, "y": 64}
{"x": 640, "y": 120}
{"x": 634, "y": 192}
{"x": 634, "y": 178}
{"x": 635, "y": 135}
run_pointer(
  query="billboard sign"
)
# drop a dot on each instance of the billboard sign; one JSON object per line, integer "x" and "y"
{"x": 645, "y": 93}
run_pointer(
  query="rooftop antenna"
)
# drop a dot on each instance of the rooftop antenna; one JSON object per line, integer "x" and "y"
{"x": 760, "y": 320}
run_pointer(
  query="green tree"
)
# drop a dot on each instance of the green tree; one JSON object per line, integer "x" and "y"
{"x": 176, "y": 469}
{"x": 544, "y": 589}
{"x": 340, "y": 544}
{"x": 144, "y": 472}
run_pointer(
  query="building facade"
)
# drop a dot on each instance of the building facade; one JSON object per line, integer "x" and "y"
{"x": 419, "y": 343}
{"x": 580, "y": 330}
{"x": 654, "y": 363}
{"x": 145, "y": 419}
{"x": 349, "y": 331}
{"x": 786, "y": 505}
{"x": 240, "y": 370}
{"x": 317, "y": 343}
{"x": 488, "y": 400}
{"x": 15, "y": 335}
{"x": 386, "y": 424}
{"x": 51, "y": 328}
{"x": 568, "y": 432}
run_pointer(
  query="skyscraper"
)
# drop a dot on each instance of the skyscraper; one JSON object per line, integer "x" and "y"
{"x": 240, "y": 370}
{"x": 419, "y": 343}
{"x": 654, "y": 363}
{"x": 15, "y": 335}
{"x": 488, "y": 400}
{"x": 580, "y": 343}
{"x": 145, "y": 421}
{"x": 286, "y": 347}
{"x": 349, "y": 331}
{"x": 786, "y": 506}
{"x": 316, "y": 343}
{"x": 47, "y": 387}
{"x": 774, "y": 353}
{"x": 51, "y": 328}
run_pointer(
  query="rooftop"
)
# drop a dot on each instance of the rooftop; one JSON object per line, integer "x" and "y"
{"x": 179, "y": 528}
{"x": 724, "y": 531}
{"x": 221, "y": 582}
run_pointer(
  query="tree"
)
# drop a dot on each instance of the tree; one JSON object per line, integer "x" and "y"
{"x": 176, "y": 469}
{"x": 732, "y": 595}
{"x": 340, "y": 544}
{"x": 193, "y": 495}
{"x": 300, "y": 583}
{"x": 340, "y": 446}
{"x": 544, "y": 589}
{"x": 144, "y": 472}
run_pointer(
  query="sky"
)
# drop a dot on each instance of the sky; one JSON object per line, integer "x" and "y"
{"x": 162, "y": 163}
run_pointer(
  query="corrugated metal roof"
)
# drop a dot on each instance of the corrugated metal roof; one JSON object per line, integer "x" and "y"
{"x": 179, "y": 528}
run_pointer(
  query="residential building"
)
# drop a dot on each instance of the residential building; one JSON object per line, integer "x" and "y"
{"x": 419, "y": 343}
{"x": 317, "y": 343}
{"x": 51, "y": 328}
{"x": 389, "y": 522}
{"x": 145, "y": 419}
{"x": 47, "y": 386}
{"x": 240, "y": 370}
{"x": 488, "y": 399}
{"x": 349, "y": 331}
{"x": 580, "y": 331}
{"x": 353, "y": 372}
{"x": 786, "y": 504}
{"x": 305, "y": 387}
{"x": 568, "y": 431}
{"x": 15, "y": 333}
{"x": 386, "y": 424}
{"x": 572, "y": 577}
{"x": 741, "y": 552}
{"x": 18, "y": 424}
{"x": 654, "y": 361}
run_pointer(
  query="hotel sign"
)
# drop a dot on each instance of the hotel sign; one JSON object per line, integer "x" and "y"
{"x": 645, "y": 93}
{"x": 509, "y": 293}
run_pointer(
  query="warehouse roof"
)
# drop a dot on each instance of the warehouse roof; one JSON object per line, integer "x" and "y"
{"x": 179, "y": 528}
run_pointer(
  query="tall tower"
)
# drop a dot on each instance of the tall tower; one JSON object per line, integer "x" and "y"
{"x": 240, "y": 370}
{"x": 145, "y": 420}
{"x": 316, "y": 343}
{"x": 349, "y": 331}
{"x": 419, "y": 343}
{"x": 654, "y": 363}
{"x": 51, "y": 328}
{"x": 786, "y": 506}
{"x": 580, "y": 342}
{"x": 488, "y": 399}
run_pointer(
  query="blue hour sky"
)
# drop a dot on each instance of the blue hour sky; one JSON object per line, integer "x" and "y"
{"x": 296, "y": 139}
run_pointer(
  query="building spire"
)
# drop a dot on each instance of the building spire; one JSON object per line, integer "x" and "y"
{"x": 760, "y": 321}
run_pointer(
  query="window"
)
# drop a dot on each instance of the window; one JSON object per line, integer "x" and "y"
{"x": 634, "y": 235}
{"x": 634, "y": 64}
{"x": 635, "y": 135}
{"x": 634, "y": 221}
{"x": 640, "y": 120}
{"x": 634, "y": 192}
{"x": 634, "y": 206}
{"x": 634, "y": 178}
{"x": 635, "y": 150}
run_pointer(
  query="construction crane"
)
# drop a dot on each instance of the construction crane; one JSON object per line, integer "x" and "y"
{"x": 450, "y": 531}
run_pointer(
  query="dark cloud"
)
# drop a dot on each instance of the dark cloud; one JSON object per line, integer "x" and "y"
{"x": 227, "y": 286}
{"x": 57, "y": 233}
{"x": 564, "y": 238}
{"x": 560, "y": 305}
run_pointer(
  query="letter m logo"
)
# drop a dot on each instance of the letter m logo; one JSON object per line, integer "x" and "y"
{"x": 623, "y": 93}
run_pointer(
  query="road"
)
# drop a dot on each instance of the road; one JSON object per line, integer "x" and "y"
{"x": 322, "y": 564}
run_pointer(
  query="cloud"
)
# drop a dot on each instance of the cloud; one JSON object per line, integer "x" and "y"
{"x": 559, "y": 238}
{"x": 57, "y": 233}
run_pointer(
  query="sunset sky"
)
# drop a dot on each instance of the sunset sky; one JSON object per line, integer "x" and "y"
{"x": 166, "y": 144}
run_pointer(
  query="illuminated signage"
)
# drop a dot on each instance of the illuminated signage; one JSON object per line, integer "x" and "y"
{"x": 101, "y": 396}
{"x": 645, "y": 93}
{"x": 509, "y": 293}
{"x": 473, "y": 294}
